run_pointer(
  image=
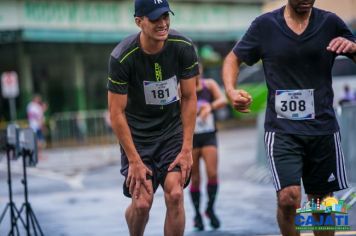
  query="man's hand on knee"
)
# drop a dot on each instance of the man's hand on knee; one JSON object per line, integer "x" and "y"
{"x": 136, "y": 176}
{"x": 185, "y": 161}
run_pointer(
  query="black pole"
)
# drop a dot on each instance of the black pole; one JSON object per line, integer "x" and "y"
{"x": 24, "y": 182}
{"x": 31, "y": 219}
{"x": 12, "y": 213}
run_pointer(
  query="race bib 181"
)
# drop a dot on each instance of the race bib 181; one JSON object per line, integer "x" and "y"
{"x": 161, "y": 92}
{"x": 295, "y": 104}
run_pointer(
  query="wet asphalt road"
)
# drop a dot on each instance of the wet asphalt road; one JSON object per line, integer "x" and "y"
{"x": 77, "y": 192}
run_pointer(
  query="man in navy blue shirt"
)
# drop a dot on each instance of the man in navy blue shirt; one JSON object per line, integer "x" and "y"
{"x": 297, "y": 45}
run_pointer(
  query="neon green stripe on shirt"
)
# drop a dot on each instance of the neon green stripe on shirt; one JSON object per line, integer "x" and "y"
{"x": 179, "y": 40}
{"x": 116, "y": 82}
{"x": 190, "y": 67}
{"x": 128, "y": 54}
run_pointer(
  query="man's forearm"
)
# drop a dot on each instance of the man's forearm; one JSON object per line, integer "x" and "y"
{"x": 188, "y": 111}
{"x": 123, "y": 134}
{"x": 230, "y": 71}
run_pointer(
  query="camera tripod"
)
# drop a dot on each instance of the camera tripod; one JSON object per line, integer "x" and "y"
{"x": 32, "y": 224}
{"x": 15, "y": 214}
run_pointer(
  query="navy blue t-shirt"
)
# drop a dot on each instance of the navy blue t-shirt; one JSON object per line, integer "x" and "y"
{"x": 294, "y": 64}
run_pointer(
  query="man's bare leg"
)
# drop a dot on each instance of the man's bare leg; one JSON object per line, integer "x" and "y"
{"x": 175, "y": 215}
{"x": 137, "y": 212}
{"x": 317, "y": 216}
{"x": 288, "y": 201}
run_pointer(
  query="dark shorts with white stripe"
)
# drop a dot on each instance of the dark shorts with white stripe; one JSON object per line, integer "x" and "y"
{"x": 317, "y": 160}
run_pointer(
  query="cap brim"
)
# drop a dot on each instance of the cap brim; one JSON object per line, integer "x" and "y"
{"x": 158, "y": 12}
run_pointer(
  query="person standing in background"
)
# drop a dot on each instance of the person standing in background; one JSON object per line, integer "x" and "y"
{"x": 36, "y": 118}
{"x": 347, "y": 97}
{"x": 210, "y": 98}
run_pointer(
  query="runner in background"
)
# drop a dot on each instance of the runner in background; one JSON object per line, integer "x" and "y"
{"x": 210, "y": 98}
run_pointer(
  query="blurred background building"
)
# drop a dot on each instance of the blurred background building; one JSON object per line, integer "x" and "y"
{"x": 60, "y": 49}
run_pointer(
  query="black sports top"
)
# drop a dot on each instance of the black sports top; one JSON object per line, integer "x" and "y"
{"x": 150, "y": 82}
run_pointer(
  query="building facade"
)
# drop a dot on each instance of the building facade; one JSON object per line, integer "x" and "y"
{"x": 60, "y": 49}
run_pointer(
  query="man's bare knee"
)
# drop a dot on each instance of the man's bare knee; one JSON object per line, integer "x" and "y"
{"x": 289, "y": 198}
{"x": 175, "y": 196}
{"x": 142, "y": 205}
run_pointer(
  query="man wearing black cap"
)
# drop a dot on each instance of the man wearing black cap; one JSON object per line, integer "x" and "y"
{"x": 153, "y": 127}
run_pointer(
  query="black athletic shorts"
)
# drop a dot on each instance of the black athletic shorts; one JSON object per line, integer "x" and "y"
{"x": 157, "y": 157}
{"x": 317, "y": 160}
{"x": 204, "y": 139}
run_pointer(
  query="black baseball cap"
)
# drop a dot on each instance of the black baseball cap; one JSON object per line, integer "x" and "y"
{"x": 153, "y": 9}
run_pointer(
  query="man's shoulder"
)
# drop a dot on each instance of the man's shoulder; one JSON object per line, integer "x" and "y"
{"x": 29, "y": 106}
{"x": 32, "y": 106}
{"x": 324, "y": 17}
{"x": 126, "y": 46}
{"x": 178, "y": 38}
{"x": 323, "y": 12}
{"x": 271, "y": 15}
{"x": 268, "y": 17}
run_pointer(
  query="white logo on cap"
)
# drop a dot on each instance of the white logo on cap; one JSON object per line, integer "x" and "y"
{"x": 157, "y": 1}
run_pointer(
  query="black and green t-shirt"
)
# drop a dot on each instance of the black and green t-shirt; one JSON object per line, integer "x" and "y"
{"x": 150, "y": 82}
